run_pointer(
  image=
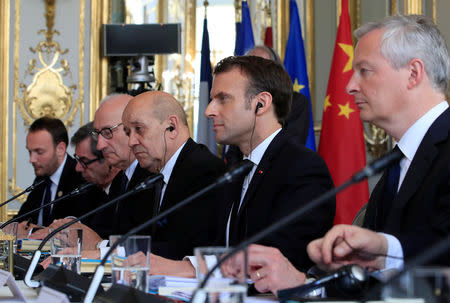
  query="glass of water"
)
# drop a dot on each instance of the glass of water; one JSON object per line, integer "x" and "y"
{"x": 228, "y": 283}
{"x": 65, "y": 249}
{"x": 130, "y": 262}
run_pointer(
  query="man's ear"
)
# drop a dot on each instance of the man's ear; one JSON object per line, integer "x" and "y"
{"x": 416, "y": 70}
{"x": 263, "y": 102}
{"x": 61, "y": 148}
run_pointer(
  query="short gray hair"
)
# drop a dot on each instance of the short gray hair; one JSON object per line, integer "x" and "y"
{"x": 409, "y": 37}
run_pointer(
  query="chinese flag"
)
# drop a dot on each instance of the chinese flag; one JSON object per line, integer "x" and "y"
{"x": 341, "y": 141}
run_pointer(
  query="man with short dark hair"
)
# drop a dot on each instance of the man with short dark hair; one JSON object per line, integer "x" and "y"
{"x": 250, "y": 100}
{"x": 90, "y": 161}
{"x": 47, "y": 142}
{"x": 92, "y": 165}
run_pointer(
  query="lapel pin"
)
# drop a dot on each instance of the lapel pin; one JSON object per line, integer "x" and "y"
{"x": 60, "y": 194}
{"x": 260, "y": 172}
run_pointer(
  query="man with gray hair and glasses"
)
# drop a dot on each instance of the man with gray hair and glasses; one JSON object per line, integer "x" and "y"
{"x": 401, "y": 73}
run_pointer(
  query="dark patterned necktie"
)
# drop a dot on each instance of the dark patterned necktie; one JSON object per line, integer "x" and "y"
{"x": 46, "y": 211}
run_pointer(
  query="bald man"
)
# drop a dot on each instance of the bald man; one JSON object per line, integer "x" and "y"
{"x": 158, "y": 134}
{"x": 112, "y": 141}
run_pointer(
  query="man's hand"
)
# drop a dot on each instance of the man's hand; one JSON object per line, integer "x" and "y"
{"x": 270, "y": 270}
{"x": 90, "y": 237}
{"x": 23, "y": 229}
{"x": 349, "y": 244}
{"x": 163, "y": 266}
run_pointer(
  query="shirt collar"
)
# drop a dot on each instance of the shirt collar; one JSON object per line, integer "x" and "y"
{"x": 410, "y": 141}
{"x": 130, "y": 170}
{"x": 168, "y": 168}
{"x": 258, "y": 152}
{"x": 57, "y": 174}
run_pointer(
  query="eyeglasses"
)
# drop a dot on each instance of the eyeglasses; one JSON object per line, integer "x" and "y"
{"x": 106, "y": 132}
{"x": 84, "y": 162}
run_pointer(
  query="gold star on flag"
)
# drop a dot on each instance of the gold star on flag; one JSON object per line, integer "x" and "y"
{"x": 327, "y": 103}
{"x": 345, "y": 110}
{"x": 348, "y": 49}
{"x": 297, "y": 87}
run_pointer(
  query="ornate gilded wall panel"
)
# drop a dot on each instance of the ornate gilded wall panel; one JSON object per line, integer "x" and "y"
{"x": 48, "y": 71}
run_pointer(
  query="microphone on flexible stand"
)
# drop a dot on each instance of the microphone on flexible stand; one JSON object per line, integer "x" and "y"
{"x": 243, "y": 168}
{"x": 28, "y": 189}
{"x": 82, "y": 188}
{"x": 21, "y": 264}
{"x": 368, "y": 171}
{"x": 78, "y": 290}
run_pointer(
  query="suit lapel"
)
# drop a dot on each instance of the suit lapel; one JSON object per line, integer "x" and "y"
{"x": 264, "y": 165}
{"x": 176, "y": 180}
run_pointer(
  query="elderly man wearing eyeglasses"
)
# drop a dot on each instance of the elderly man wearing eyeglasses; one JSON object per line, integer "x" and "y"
{"x": 113, "y": 144}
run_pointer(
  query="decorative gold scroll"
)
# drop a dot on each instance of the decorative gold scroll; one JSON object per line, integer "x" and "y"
{"x": 48, "y": 95}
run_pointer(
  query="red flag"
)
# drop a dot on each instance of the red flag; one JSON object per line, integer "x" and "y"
{"x": 341, "y": 140}
{"x": 268, "y": 39}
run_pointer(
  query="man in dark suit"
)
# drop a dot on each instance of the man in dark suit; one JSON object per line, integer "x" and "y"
{"x": 47, "y": 142}
{"x": 296, "y": 123}
{"x": 94, "y": 169}
{"x": 159, "y": 137}
{"x": 250, "y": 100}
{"x": 401, "y": 72}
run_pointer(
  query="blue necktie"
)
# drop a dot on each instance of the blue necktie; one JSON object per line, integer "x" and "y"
{"x": 391, "y": 187}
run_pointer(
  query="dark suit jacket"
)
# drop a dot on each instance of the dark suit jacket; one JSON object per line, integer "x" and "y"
{"x": 195, "y": 224}
{"x": 420, "y": 213}
{"x": 69, "y": 180}
{"x": 288, "y": 177}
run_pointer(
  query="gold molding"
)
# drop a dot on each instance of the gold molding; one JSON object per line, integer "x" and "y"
{"x": 98, "y": 79}
{"x": 394, "y": 8}
{"x": 434, "y": 12}
{"x": 160, "y": 63}
{"x": 310, "y": 51}
{"x": 12, "y": 182}
{"x": 412, "y": 7}
{"x": 4, "y": 90}
{"x": 282, "y": 27}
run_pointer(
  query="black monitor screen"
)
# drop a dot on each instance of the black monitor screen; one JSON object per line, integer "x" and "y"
{"x": 141, "y": 39}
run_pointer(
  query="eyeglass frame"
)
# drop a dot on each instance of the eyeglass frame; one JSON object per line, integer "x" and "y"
{"x": 83, "y": 162}
{"x": 108, "y": 130}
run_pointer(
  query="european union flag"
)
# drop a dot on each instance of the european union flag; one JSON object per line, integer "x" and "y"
{"x": 295, "y": 64}
{"x": 244, "y": 36}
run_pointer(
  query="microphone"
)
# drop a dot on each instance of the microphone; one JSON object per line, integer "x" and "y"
{"x": 368, "y": 171}
{"x": 143, "y": 185}
{"x": 28, "y": 189}
{"x": 82, "y": 188}
{"x": 243, "y": 168}
{"x": 349, "y": 278}
{"x": 378, "y": 165}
